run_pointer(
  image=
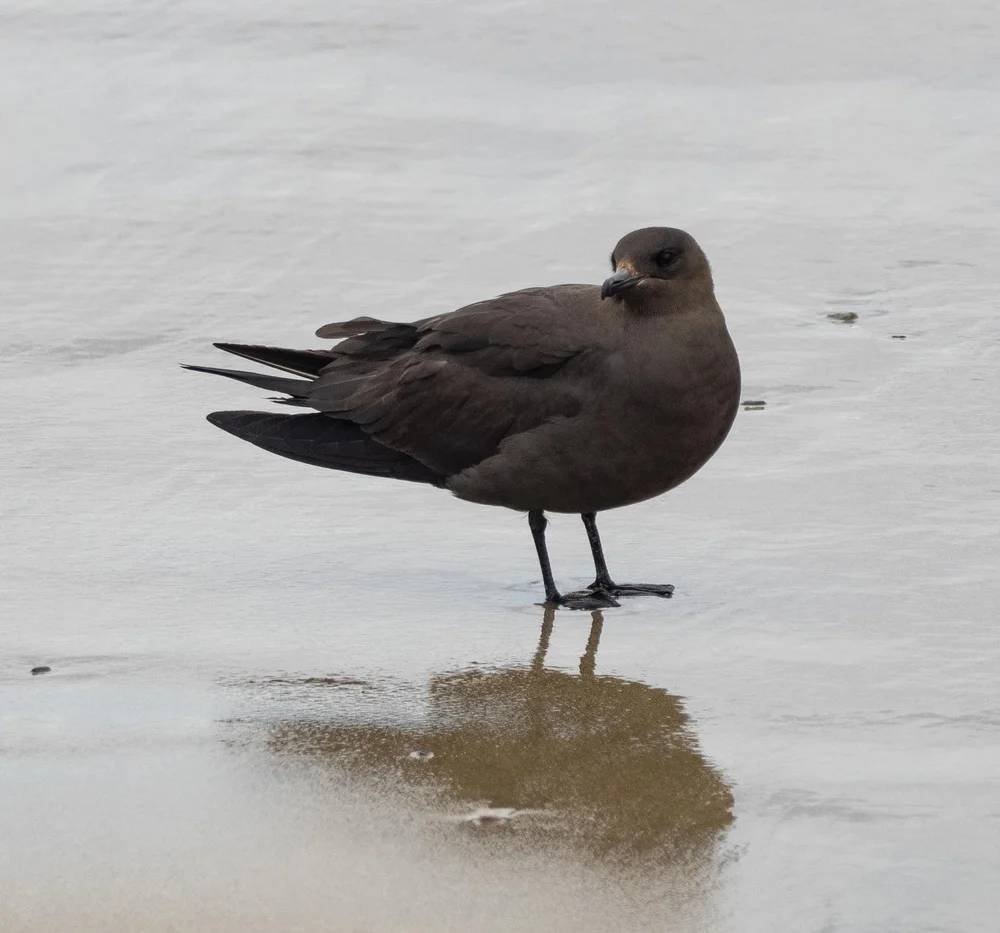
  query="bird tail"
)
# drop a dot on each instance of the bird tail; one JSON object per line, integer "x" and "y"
{"x": 320, "y": 440}
{"x": 293, "y": 387}
{"x": 305, "y": 363}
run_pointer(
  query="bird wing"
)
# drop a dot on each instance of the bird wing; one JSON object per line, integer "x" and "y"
{"x": 448, "y": 389}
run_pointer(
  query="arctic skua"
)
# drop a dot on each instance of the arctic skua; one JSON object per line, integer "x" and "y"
{"x": 570, "y": 398}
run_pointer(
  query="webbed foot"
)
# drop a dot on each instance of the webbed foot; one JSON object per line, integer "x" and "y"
{"x": 585, "y": 599}
{"x": 663, "y": 590}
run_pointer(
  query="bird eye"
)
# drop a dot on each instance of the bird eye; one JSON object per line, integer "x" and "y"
{"x": 666, "y": 256}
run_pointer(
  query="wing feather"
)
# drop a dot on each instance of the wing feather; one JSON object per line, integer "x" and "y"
{"x": 449, "y": 389}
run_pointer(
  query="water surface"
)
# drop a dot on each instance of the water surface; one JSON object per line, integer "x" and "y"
{"x": 246, "y": 653}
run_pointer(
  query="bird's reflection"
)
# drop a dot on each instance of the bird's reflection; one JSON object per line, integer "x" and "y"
{"x": 607, "y": 765}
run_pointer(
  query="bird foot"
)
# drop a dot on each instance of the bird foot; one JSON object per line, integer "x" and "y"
{"x": 611, "y": 590}
{"x": 585, "y": 599}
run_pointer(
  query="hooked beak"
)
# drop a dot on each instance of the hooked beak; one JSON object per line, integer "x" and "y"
{"x": 624, "y": 279}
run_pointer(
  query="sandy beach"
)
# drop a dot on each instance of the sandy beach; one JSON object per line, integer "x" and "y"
{"x": 282, "y": 698}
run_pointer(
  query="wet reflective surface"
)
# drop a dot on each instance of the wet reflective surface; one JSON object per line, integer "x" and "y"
{"x": 285, "y": 699}
{"x": 606, "y": 769}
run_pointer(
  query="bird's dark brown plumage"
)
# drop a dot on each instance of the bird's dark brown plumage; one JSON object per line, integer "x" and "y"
{"x": 572, "y": 398}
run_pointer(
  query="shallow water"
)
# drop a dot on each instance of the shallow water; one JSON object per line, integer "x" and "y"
{"x": 246, "y": 652}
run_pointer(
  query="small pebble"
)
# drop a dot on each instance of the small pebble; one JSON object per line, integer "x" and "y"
{"x": 899, "y": 336}
{"x": 421, "y": 755}
{"x": 41, "y": 670}
{"x": 845, "y": 317}
{"x": 753, "y": 405}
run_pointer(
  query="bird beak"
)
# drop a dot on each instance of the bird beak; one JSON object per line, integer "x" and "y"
{"x": 624, "y": 279}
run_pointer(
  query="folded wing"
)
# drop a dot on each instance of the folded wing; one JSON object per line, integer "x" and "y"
{"x": 443, "y": 392}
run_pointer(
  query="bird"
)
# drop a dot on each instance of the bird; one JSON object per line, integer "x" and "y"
{"x": 562, "y": 399}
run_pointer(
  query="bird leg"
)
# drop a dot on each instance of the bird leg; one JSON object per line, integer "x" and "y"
{"x": 585, "y": 600}
{"x": 604, "y": 584}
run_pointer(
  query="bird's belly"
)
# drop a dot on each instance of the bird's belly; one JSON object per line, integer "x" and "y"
{"x": 594, "y": 463}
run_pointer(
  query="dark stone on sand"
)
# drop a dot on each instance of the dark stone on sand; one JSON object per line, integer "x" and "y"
{"x": 571, "y": 398}
{"x": 899, "y": 336}
{"x": 845, "y": 317}
{"x": 41, "y": 670}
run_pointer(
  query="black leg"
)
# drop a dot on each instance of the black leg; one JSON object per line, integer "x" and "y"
{"x": 603, "y": 583}
{"x": 603, "y": 580}
{"x": 537, "y": 522}
{"x": 586, "y": 600}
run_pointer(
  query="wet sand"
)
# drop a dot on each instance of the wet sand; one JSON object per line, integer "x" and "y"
{"x": 245, "y": 653}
